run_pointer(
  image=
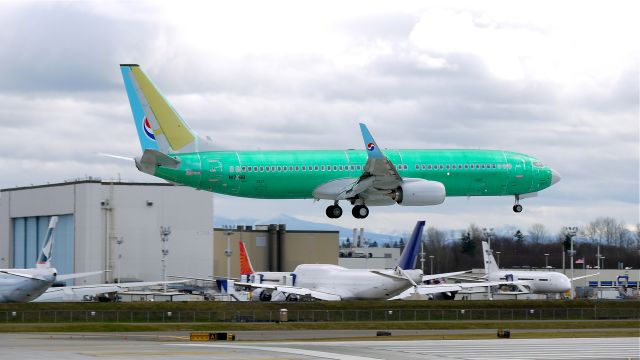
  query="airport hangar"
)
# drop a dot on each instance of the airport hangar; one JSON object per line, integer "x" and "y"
{"x": 115, "y": 225}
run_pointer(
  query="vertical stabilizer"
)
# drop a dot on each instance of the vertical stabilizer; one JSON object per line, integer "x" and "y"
{"x": 245, "y": 263}
{"x": 409, "y": 255}
{"x": 159, "y": 126}
{"x": 44, "y": 260}
{"x": 490, "y": 265}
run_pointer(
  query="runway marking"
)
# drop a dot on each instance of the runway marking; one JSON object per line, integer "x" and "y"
{"x": 149, "y": 353}
{"x": 313, "y": 353}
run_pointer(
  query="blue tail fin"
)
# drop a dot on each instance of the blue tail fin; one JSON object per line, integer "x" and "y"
{"x": 408, "y": 258}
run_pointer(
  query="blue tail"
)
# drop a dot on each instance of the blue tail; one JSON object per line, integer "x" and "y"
{"x": 408, "y": 259}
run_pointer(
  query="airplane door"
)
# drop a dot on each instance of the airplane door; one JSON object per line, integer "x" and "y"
{"x": 521, "y": 180}
{"x": 213, "y": 175}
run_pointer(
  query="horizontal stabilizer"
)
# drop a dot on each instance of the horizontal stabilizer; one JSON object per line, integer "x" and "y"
{"x": 153, "y": 158}
{"x": 79, "y": 275}
{"x": 24, "y": 275}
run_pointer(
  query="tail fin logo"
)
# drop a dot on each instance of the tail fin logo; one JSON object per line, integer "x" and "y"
{"x": 146, "y": 126}
{"x": 371, "y": 146}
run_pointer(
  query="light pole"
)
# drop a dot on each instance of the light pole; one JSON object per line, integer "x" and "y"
{"x": 498, "y": 262}
{"x": 546, "y": 261}
{"x": 165, "y": 231}
{"x": 431, "y": 260}
{"x": 119, "y": 242}
{"x": 571, "y": 232}
{"x": 422, "y": 256}
{"x": 228, "y": 252}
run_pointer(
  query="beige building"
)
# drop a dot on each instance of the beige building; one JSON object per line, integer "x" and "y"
{"x": 273, "y": 248}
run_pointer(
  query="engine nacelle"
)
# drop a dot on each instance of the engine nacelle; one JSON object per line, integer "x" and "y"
{"x": 419, "y": 192}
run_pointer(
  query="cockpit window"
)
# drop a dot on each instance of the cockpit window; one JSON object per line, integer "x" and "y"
{"x": 538, "y": 164}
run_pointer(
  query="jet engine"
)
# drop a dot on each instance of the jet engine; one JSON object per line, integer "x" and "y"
{"x": 419, "y": 192}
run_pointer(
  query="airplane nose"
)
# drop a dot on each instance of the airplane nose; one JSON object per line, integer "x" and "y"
{"x": 555, "y": 177}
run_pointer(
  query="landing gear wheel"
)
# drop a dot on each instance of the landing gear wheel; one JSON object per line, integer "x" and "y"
{"x": 517, "y": 208}
{"x": 334, "y": 211}
{"x": 360, "y": 211}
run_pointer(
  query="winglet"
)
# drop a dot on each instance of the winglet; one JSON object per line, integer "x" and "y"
{"x": 408, "y": 258}
{"x": 245, "y": 263}
{"x": 45, "y": 256}
{"x": 373, "y": 150}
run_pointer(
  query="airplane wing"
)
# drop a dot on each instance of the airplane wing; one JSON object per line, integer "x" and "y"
{"x": 585, "y": 276}
{"x": 320, "y": 295}
{"x": 445, "y": 288}
{"x": 443, "y": 275}
{"x": 379, "y": 175}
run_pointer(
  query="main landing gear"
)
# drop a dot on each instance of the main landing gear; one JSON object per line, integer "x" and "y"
{"x": 335, "y": 211}
{"x": 517, "y": 207}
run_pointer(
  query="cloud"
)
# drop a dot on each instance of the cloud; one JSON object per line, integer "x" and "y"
{"x": 540, "y": 79}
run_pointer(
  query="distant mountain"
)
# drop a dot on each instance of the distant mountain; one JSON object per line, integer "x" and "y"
{"x": 294, "y": 223}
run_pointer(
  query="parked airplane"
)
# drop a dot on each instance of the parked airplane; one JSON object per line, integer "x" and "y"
{"x": 333, "y": 282}
{"x": 370, "y": 177}
{"x": 536, "y": 282}
{"x": 22, "y": 285}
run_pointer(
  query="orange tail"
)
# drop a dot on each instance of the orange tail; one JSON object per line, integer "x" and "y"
{"x": 245, "y": 262}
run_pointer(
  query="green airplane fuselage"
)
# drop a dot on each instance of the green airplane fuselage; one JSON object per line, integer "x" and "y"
{"x": 294, "y": 174}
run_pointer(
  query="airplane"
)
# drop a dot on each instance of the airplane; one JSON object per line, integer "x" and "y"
{"x": 333, "y": 282}
{"x": 535, "y": 282}
{"x": 370, "y": 177}
{"x": 90, "y": 292}
{"x": 22, "y": 285}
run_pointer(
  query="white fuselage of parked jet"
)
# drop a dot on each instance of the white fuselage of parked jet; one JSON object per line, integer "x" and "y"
{"x": 22, "y": 285}
{"x": 537, "y": 282}
{"x": 354, "y": 284}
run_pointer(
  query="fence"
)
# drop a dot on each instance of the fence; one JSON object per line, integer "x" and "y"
{"x": 130, "y": 316}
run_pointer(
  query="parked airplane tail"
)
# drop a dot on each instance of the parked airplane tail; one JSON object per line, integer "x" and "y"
{"x": 408, "y": 259}
{"x": 245, "y": 263}
{"x": 490, "y": 265}
{"x": 44, "y": 259}
{"x": 159, "y": 126}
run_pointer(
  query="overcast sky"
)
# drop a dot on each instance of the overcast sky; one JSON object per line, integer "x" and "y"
{"x": 555, "y": 80}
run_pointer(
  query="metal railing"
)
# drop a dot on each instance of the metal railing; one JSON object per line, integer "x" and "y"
{"x": 133, "y": 316}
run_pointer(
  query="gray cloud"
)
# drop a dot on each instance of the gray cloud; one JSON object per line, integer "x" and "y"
{"x": 62, "y": 101}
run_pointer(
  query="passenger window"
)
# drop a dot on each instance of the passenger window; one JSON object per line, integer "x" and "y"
{"x": 447, "y": 166}
{"x": 453, "y": 166}
{"x": 482, "y": 166}
{"x": 261, "y": 169}
{"x": 340, "y": 167}
{"x": 267, "y": 168}
{"x": 335, "y": 167}
{"x": 423, "y": 167}
{"x": 441, "y": 167}
{"x": 315, "y": 168}
{"x": 244, "y": 169}
{"x": 297, "y": 168}
{"x": 255, "y": 169}
{"x": 466, "y": 166}
{"x": 493, "y": 166}
{"x": 249, "y": 168}
{"x": 231, "y": 169}
{"x": 353, "y": 167}
{"x": 322, "y": 167}
{"x": 304, "y": 168}
{"x": 429, "y": 167}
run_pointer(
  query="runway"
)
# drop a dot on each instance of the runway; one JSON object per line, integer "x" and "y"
{"x": 39, "y": 346}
